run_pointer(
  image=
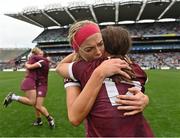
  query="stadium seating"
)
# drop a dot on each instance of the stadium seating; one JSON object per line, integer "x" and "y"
{"x": 155, "y": 45}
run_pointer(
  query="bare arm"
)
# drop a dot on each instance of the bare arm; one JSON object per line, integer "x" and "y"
{"x": 32, "y": 66}
{"x": 79, "y": 103}
{"x": 62, "y": 67}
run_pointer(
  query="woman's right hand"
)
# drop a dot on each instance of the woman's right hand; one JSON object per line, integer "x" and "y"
{"x": 133, "y": 104}
{"x": 113, "y": 66}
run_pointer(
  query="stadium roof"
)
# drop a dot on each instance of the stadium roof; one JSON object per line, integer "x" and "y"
{"x": 114, "y": 12}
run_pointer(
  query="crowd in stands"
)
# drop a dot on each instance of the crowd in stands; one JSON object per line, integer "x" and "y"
{"x": 154, "y": 28}
{"x": 7, "y": 54}
{"x": 58, "y": 35}
{"x": 52, "y": 35}
{"x": 157, "y": 60}
{"x": 57, "y": 58}
{"x": 145, "y": 60}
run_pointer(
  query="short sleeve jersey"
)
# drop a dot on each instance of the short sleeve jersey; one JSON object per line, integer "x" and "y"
{"x": 40, "y": 74}
{"x": 104, "y": 120}
{"x": 43, "y": 71}
{"x": 32, "y": 73}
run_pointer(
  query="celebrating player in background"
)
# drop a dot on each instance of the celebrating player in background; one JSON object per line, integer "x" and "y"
{"x": 80, "y": 103}
{"x": 42, "y": 71}
{"x": 35, "y": 86}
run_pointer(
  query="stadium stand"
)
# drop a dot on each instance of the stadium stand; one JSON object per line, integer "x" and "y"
{"x": 157, "y": 60}
{"x": 13, "y": 58}
{"x": 52, "y": 35}
{"x": 11, "y": 54}
{"x": 155, "y": 44}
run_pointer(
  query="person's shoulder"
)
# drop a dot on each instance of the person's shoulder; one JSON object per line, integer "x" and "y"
{"x": 94, "y": 62}
{"x": 135, "y": 66}
{"x": 139, "y": 72}
{"x": 32, "y": 58}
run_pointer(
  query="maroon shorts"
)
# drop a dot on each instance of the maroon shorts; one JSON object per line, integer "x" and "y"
{"x": 42, "y": 91}
{"x": 28, "y": 84}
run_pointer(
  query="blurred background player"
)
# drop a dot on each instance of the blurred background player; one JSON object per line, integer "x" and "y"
{"x": 42, "y": 71}
{"x": 35, "y": 86}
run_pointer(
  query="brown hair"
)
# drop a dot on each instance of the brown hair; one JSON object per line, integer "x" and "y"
{"x": 117, "y": 42}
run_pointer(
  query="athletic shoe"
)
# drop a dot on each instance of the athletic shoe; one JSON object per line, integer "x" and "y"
{"x": 8, "y": 99}
{"x": 37, "y": 123}
{"x": 51, "y": 122}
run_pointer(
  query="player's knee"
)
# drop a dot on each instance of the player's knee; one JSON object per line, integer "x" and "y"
{"x": 33, "y": 102}
{"x": 38, "y": 107}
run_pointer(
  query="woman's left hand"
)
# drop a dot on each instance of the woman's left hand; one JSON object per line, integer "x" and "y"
{"x": 133, "y": 104}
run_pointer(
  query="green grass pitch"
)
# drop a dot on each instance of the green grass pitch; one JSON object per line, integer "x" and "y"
{"x": 16, "y": 120}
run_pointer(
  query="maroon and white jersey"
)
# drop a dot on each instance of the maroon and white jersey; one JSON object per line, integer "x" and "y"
{"x": 69, "y": 82}
{"x": 31, "y": 77}
{"x": 104, "y": 120}
{"x": 42, "y": 77}
{"x": 43, "y": 71}
{"x": 39, "y": 74}
{"x": 32, "y": 73}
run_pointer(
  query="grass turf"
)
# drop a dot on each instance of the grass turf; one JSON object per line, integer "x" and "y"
{"x": 162, "y": 112}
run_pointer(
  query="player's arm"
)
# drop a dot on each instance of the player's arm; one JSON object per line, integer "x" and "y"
{"x": 79, "y": 103}
{"x": 133, "y": 104}
{"x": 35, "y": 65}
{"x": 62, "y": 70}
{"x": 62, "y": 67}
{"x": 136, "y": 103}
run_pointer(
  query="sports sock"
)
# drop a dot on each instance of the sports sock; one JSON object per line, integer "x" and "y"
{"x": 15, "y": 97}
{"x": 39, "y": 119}
{"x": 49, "y": 118}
